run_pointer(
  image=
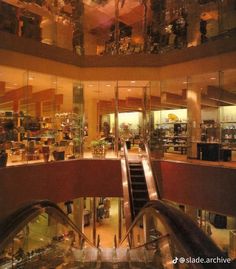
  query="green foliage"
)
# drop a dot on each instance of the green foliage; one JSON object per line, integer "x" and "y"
{"x": 98, "y": 143}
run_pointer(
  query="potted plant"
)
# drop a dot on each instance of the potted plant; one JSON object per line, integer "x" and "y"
{"x": 77, "y": 146}
{"x": 99, "y": 148}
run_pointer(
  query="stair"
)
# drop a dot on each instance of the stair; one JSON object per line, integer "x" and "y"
{"x": 138, "y": 187}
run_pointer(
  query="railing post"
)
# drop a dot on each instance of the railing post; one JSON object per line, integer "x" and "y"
{"x": 94, "y": 220}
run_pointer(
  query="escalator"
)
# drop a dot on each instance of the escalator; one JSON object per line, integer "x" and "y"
{"x": 140, "y": 181}
{"x": 138, "y": 186}
{"x": 41, "y": 236}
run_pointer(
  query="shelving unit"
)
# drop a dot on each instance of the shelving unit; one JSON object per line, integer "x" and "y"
{"x": 175, "y": 137}
{"x": 228, "y": 134}
{"x": 210, "y": 131}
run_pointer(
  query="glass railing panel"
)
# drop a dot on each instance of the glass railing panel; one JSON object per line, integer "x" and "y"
{"x": 47, "y": 241}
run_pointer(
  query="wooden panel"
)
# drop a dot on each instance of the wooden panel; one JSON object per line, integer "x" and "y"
{"x": 215, "y": 93}
{"x": 207, "y": 187}
{"x": 134, "y": 102}
{"x": 17, "y": 94}
{"x": 59, "y": 181}
{"x": 174, "y": 99}
{"x": 45, "y": 95}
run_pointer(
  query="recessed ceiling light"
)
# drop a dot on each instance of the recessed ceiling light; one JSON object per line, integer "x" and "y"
{"x": 213, "y": 78}
{"x": 185, "y": 82}
{"x": 132, "y": 81}
{"x": 108, "y": 85}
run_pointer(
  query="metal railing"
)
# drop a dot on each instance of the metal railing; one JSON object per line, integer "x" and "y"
{"x": 15, "y": 222}
{"x": 184, "y": 233}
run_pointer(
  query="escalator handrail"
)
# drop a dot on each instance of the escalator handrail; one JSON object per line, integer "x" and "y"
{"x": 194, "y": 242}
{"x": 147, "y": 151}
{"x": 15, "y": 222}
{"x": 129, "y": 178}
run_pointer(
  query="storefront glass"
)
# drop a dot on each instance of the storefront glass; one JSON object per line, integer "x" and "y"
{"x": 99, "y": 97}
{"x": 13, "y": 109}
{"x": 48, "y": 118}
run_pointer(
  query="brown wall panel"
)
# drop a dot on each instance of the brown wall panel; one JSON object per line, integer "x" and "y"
{"x": 208, "y": 187}
{"x": 59, "y": 181}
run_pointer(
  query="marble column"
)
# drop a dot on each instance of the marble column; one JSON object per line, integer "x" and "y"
{"x": 194, "y": 120}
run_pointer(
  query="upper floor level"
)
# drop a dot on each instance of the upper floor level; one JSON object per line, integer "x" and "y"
{"x": 119, "y": 27}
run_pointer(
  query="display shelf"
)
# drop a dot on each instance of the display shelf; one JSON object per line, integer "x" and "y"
{"x": 174, "y": 138}
{"x": 228, "y": 133}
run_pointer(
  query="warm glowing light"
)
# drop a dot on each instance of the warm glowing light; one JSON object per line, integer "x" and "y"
{"x": 108, "y": 85}
{"x": 129, "y": 90}
{"x": 132, "y": 81}
{"x": 213, "y": 78}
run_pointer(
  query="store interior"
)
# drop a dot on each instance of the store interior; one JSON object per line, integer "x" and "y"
{"x": 48, "y": 118}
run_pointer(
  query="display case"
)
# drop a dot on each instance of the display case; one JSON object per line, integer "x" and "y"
{"x": 175, "y": 137}
{"x": 228, "y": 134}
{"x": 210, "y": 131}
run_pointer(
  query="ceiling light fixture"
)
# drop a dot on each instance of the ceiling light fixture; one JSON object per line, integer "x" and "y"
{"x": 213, "y": 78}
{"x": 132, "y": 81}
{"x": 108, "y": 85}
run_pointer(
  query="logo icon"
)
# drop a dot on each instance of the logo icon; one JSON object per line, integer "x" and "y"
{"x": 175, "y": 260}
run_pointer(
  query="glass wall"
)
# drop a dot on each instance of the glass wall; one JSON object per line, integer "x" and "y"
{"x": 41, "y": 117}
{"x": 144, "y": 27}
{"x": 46, "y": 118}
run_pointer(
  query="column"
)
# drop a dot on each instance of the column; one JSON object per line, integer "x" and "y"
{"x": 193, "y": 20}
{"x": 78, "y": 213}
{"x": 194, "y": 120}
{"x": 116, "y": 119}
{"x": 92, "y": 118}
{"x": 49, "y": 31}
{"x": 191, "y": 212}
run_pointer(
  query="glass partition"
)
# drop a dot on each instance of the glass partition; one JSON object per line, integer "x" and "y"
{"x": 139, "y": 27}
{"x": 13, "y": 98}
{"x": 99, "y": 118}
{"x": 47, "y": 241}
{"x": 172, "y": 118}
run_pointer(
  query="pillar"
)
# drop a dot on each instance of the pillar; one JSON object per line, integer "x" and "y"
{"x": 193, "y": 19}
{"x": 116, "y": 119}
{"x": 191, "y": 212}
{"x": 49, "y": 31}
{"x": 194, "y": 120}
{"x": 92, "y": 118}
{"x": 231, "y": 223}
{"x": 78, "y": 213}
